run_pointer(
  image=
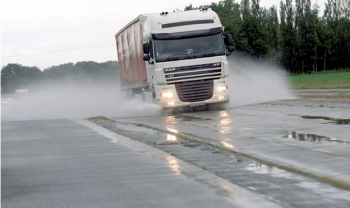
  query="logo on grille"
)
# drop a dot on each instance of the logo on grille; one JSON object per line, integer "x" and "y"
{"x": 216, "y": 64}
{"x": 170, "y": 69}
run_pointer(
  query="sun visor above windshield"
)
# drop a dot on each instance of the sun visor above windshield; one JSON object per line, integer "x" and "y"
{"x": 195, "y": 22}
{"x": 169, "y": 36}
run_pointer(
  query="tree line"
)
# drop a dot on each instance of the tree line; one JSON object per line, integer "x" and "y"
{"x": 294, "y": 36}
{"x": 16, "y": 76}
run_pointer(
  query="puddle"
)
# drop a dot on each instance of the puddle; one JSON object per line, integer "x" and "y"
{"x": 330, "y": 120}
{"x": 312, "y": 138}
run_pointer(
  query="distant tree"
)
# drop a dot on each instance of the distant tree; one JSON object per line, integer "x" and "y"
{"x": 288, "y": 36}
{"x": 252, "y": 36}
{"x": 272, "y": 29}
{"x": 305, "y": 22}
{"x": 189, "y": 7}
{"x": 63, "y": 72}
{"x": 229, "y": 14}
{"x": 83, "y": 71}
{"x": 88, "y": 67}
{"x": 16, "y": 76}
{"x": 109, "y": 71}
{"x": 337, "y": 15}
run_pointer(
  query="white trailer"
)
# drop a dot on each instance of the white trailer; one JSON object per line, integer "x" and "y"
{"x": 175, "y": 59}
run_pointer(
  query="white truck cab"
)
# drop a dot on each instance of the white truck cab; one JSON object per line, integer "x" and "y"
{"x": 185, "y": 58}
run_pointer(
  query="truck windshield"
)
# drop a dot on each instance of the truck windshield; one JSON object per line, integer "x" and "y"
{"x": 189, "y": 48}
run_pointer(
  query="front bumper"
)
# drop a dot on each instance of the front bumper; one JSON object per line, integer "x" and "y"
{"x": 175, "y": 102}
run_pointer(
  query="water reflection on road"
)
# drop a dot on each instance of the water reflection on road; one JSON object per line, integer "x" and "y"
{"x": 205, "y": 143}
{"x": 173, "y": 164}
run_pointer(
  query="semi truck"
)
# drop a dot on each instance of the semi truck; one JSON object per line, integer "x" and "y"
{"x": 175, "y": 59}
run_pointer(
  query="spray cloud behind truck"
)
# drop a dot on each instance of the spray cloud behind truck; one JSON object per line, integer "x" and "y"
{"x": 175, "y": 59}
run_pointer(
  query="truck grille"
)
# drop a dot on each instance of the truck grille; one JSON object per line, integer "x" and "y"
{"x": 194, "y": 72}
{"x": 194, "y": 91}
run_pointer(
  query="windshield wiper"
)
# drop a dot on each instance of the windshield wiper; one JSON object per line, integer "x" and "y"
{"x": 189, "y": 56}
{"x": 175, "y": 58}
{"x": 196, "y": 54}
{"x": 209, "y": 53}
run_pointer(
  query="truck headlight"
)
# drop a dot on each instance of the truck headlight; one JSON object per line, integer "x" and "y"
{"x": 222, "y": 88}
{"x": 166, "y": 94}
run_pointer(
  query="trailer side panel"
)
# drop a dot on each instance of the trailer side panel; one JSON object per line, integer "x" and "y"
{"x": 132, "y": 67}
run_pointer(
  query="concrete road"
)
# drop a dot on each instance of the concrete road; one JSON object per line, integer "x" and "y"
{"x": 75, "y": 163}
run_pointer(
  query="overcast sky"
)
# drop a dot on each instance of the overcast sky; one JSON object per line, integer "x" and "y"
{"x": 44, "y": 33}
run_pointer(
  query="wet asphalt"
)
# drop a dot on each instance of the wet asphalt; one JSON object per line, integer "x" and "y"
{"x": 248, "y": 156}
{"x": 210, "y": 141}
{"x": 297, "y": 137}
{"x": 75, "y": 163}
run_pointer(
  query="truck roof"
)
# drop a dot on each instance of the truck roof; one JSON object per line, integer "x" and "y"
{"x": 176, "y": 21}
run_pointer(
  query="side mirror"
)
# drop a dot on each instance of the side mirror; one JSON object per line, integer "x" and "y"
{"x": 145, "y": 48}
{"x": 231, "y": 48}
{"x": 146, "y": 57}
{"x": 228, "y": 39}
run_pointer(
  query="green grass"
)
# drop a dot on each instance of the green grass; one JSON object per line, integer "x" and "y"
{"x": 321, "y": 80}
{"x": 347, "y": 96}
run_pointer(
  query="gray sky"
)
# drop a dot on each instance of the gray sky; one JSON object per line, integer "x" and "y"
{"x": 43, "y": 33}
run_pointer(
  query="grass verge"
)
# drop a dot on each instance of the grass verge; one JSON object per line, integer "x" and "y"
{"x": 344, "y": 96}
{"x": 321, "y": 80}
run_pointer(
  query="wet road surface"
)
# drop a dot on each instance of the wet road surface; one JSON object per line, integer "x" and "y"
{"x": 288, "y": 153}
{"x": 292, "y": 136}
{"x": 279, "y": 185}
{"x": 65, "y": 163}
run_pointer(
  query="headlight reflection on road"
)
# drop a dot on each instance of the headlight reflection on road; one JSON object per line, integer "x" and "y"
{"x": 225, "y": 130}
{"x": 173, "y": 164}
{"x": 173, "y": 130}
{"x": 170, "y": 138}
{"x": 225, "y": 144}
{"x": 224, "y": 127}
{"x": 224, "y": 113}
{"x": 170, "y": 119}
{"x": 226, "y": 121}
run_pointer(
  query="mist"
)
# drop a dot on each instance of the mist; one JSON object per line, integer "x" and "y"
{"x": 256, "y": 81}
{"x": 73, "y": 100}
{"x": 251, "y": 81}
